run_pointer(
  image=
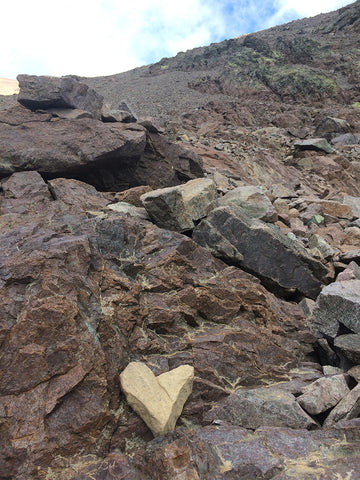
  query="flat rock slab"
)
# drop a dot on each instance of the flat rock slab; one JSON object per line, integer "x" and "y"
{"x": 43, "y": 92}
{"x": 177, "y": 208}
{"x": 317, "y": 144}
{"x": 261, "y": 407}
{"x": 323, "y": 394}
{"x": 349, "y": 345}
{"x": 338, "y": 303}
{"x": 260, "y": 248}
{"x": 158, "y": 400}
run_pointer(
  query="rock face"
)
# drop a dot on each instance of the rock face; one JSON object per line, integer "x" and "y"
{"x": 338, "y": 303}
{"x": 89, "y": 285}
{"x": 233, "y": 236}
{"x": 178, "y": 208}
{"x": 158, "y": 400}
{"x": 42, "y": 92}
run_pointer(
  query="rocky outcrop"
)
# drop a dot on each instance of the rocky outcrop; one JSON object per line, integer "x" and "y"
{"x": 231, "y": 235}
{"x": 158, "y": 400}
{"x": 109, "y": 156}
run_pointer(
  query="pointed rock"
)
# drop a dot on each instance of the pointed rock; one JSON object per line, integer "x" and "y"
{"x": 158, "y": 400}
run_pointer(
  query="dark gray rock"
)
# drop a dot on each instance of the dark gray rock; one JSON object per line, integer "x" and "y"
{"x": 43, "y": 92}
{"x": 349, "y": 345}
{"x": 330, "y": 127}
{"x": 261, "y": 407}
{"x": 231, "y": 235}
{"x": 317, "y": 144}
{"x": 338, "y": 303}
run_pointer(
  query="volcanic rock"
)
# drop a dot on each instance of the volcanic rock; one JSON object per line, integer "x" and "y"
{"x": 317, "y": 144}
{"x": 346, "y": 409}
{"x": 109, "y": 156}
{"x": 261, "y": 407}
{"x": 338, "y": 303}
{"x": 178, "y": 208}
{"x": 253, "y": 201}
{"x": 260, "y": 248}
{"x": 158, "y": 400}
{"x": 42, "y": 92}
{"x": 349, "y": 345}
{"x": 323, "y": 394}
{"x": 330, "y": 127}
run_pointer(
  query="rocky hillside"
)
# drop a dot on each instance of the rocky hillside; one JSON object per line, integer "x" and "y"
{"x": 180, "y": 247}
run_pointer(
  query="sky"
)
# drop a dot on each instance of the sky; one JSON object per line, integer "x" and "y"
{"x": 104, "y": 37}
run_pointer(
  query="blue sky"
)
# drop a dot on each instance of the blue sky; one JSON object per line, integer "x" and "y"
{"x": 103, "y": 37}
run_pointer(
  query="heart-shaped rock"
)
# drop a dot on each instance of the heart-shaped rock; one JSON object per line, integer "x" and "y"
{"x": 158, "y": 400}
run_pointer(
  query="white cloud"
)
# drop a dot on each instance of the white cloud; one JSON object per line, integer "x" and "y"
{"x": 101, "y": 37}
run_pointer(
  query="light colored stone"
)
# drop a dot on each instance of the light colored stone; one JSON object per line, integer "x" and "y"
{"x": 326, "y": 251}
{"x": 329, "y": 370}
{"x": 337, "y": 303}
{"x": 177, "y": 208}
{"x": 158, "y": 400}
{"x": 70, "y": 113}
{"x": 253, "y": 200}
{"x": 127, "y": 208}
{"x": 323, "y": 394}
{"x": 348, "y": 408}
{"x": 354, "y": 372}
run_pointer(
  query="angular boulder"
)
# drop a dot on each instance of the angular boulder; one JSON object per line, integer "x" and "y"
{"x": 338, "y": 303}
{"x": 110, "y": 156}
{"x": 349, "y": 345}
{"x": 347, "y": 409}
{"x": 260, "y": 248}
{"x": 43, "y": 92}
{"x": 253, "y": 200}
{"x": 178, "y": 208}
{"x": 158, "y": 400}
{"x": 323, "y": 394}
{"x": 261, "y": 407}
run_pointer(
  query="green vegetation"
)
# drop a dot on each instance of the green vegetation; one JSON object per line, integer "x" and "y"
{"x": 356, "y": 105}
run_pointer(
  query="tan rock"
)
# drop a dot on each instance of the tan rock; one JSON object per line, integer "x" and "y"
{"x": 346, "y": 409}
{"x": 158, "y": 400}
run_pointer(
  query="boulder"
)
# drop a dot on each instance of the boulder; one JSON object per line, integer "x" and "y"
{"x": 158, "y": 400}
{"x": 178, "y": 208}
{"x": 323, "y": 394}
{"x": 253, "y": 201}
{"x": 349, "y": 345}
{"x": 123, "y": 114}
{"x": 261, "y": 407}
{"x": 338, "y": 303}
{"x": 110, "y": 156}
{"x": 260, "y": 248}
{"x": 330, "y": 127}
{"x": 347, "y": 409}
{"x": 325, "y": 250}
{"x": 43, "y": 92}
{"x": 317, "y": 144}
